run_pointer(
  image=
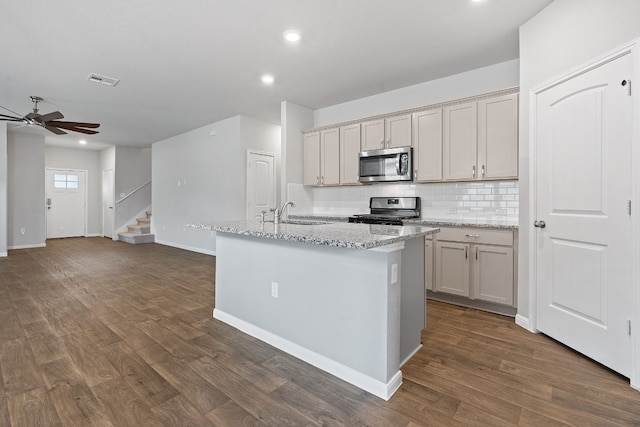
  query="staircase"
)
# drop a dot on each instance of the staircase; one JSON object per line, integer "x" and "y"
{"x": 138, "y": 233}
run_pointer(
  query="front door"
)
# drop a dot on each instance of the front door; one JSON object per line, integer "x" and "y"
{"x": 261, "y": 183}
{"x": 66, "y": 209}
{"x": 583, "y": 150}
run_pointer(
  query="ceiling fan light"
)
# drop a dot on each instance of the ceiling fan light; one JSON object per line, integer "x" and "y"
{"x": 82, "y": 142}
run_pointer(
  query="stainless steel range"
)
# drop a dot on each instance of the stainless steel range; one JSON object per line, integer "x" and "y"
{"x": 389, "y": 210}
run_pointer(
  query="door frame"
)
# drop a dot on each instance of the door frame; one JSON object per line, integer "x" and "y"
{"x": 631, "y": 48}
{"x": 86, "y": 197}
{"x": 275, "y": 176}
{"x": 113, "y": 196}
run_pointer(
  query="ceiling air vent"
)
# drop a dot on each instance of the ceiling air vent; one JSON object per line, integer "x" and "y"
{"x": 97, "y": 78}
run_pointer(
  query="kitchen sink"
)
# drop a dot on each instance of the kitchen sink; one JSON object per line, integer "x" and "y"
{"x": 303, "y": 222}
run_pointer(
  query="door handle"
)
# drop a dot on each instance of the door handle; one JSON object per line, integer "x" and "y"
{"x": 539, "y": 224}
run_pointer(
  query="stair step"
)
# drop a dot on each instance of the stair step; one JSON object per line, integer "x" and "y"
{"x": 148, "y": 213}
{"x": 139, "y": 228}
{"x": 143, "y": 220}
{"x": 136, "y": 238}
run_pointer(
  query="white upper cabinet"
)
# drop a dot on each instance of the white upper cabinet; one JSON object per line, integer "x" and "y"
{"x": 330, "y": 156}
{"x": 481, "y": 139}
{"x": 427, "y": 145}
{"x": 498, "y": 137}
{"x": 397, "y": 131}
{"x": 460, "y": 142}
{"x": 349, "y": 154}
{"x": 372, "y": 135}
{"x": 391, "y": 132}
{"x": 312, "y": 158}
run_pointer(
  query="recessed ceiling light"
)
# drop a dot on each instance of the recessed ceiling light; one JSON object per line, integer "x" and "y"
{"x": 291, "y": 36}
{"x": 82, "y": 142}
{"x": 267, "y": 79}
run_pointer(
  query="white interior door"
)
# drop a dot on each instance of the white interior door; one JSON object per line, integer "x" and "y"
{"x": 66, "y": 207}
{"x": 261, "y": 183}
{"x": 107, "y": 203}
{"x": 583, "y": 150}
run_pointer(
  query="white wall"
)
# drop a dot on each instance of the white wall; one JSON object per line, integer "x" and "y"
{"x": 566, "y": 34}
{"x": 470, "y": 83}
{"x": 199, "y": 177}
{"x": 89, "y": 160}
{"x": 3, "y": 189}
{"x": 25, "y": 190}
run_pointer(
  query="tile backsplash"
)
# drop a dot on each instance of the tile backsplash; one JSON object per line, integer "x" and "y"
{"x": 440, "y": 200}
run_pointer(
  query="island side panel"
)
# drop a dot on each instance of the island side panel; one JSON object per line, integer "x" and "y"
{"x": 336, "y": 302}
{"x": 414, "y": 299}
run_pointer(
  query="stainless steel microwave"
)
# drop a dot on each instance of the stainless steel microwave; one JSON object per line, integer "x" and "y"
{"x": 387, "y": 165}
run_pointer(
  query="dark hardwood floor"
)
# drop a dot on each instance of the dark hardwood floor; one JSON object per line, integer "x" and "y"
{"x": 96, "y": 332}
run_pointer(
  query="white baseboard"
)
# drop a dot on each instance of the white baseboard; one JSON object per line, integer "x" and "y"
{"x": 350, "y": 375}
{"x": 186, "y": 248}
{"x": 93, "y": 235}
{"x": 524, "y": 323}
{"x": 37, "y": 245}
{"x": 4, "y": 254}
{"x": 413, "y": 353}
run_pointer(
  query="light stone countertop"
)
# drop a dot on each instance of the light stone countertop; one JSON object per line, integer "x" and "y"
{"x": 337, "y": 234}
{"x": 500, "y": 222}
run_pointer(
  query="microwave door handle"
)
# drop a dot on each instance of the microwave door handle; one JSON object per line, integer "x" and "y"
{"x": 398, "y": 167}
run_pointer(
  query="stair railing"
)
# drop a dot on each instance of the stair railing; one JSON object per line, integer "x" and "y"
{"x": 134, "y": 191}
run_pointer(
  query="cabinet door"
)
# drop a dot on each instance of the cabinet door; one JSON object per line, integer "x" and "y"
{"x": 460, "y": 142}
{"x": 427, "y": 145}
{"x": 312, "y": 158}
{"x": 330, "y": 156}
{"x": 349, "y": 154}
{"x": 429, "y": 274}
{"x": 498, "y": 137}
{"x": 452, "y": 268}
{"x": 397, "y": 131}
{"x": 372, "y": 135}
{"x": 493, "y": 274}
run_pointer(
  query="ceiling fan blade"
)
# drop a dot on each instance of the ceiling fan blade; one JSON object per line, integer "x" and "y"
{"x": 52, "y": 125}
{"x": 10, "y": 118}
{"x": 55, "y": 130}
{"x": 69, "y": 125}
{"x": 51, "y": 116}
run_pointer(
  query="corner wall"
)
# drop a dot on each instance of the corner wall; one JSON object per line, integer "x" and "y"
{"x": 25, "y": 191}
{"x": 3, "y": 189}
{"x": 132, "y": 170}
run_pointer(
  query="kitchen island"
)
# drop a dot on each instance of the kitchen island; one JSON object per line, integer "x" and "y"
{"x": 346, "y": 298}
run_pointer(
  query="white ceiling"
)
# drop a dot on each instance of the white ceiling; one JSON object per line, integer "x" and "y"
{"x": 185, "y": 64}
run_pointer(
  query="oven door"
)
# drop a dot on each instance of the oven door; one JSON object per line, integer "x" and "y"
{"x": 386, "y": 165}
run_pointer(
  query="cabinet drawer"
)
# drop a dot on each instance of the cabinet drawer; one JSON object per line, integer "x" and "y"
{"x": 476, "y": 235}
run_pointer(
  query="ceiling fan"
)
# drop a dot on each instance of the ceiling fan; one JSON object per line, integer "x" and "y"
{"x": 50, "y": 121}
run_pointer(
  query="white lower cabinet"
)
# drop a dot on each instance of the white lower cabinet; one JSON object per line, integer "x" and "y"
{"x": 474, "y": 263}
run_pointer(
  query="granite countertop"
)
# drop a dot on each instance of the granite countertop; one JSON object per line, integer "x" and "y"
{"x": 500, "y": 222}
{"x": 337, "y": 234}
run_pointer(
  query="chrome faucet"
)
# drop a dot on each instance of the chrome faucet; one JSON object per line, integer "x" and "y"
{"x": 278, "y": 211}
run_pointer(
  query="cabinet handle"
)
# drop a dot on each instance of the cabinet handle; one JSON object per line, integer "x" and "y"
{"x": 382, "y": 143}
{"x": 472, "y": 236}
{"x": 476, "y": 253}
{"x": 388, "y": 143}
{"x": 318, "y": 179}
{"x": 483, "y": 171}
{"x": 473, "y": 171}
{"x": 466, "y": 252}
{"x": 322, "y": 180}
{"x": 415, "y": 174}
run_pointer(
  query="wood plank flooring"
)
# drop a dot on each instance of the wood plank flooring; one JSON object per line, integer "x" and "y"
{"x": 96, "y": 332}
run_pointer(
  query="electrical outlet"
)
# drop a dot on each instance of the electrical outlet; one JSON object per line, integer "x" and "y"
{"x": 452, "y": 210}
{"x": 274, "y": 289}
{"x": 501, "y": 211}
{"x": 23, "y": 230}
{"x": 394, "y": 273}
